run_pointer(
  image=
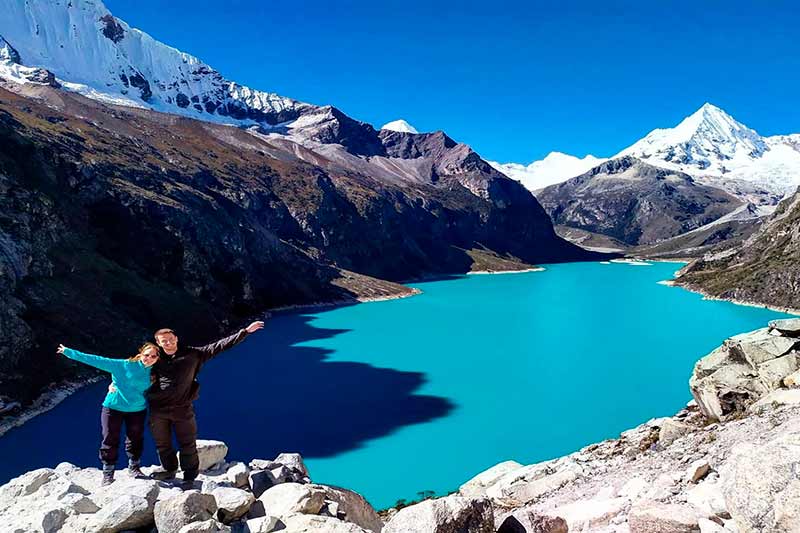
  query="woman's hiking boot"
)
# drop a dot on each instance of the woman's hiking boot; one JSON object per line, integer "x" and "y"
{"x": 160, "y": 474}
{"x": 135, "y": 470}
{"x": 108, "y": 475}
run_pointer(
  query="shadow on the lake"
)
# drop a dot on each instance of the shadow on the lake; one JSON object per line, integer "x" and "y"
{"x": 272, "y": 395}
{"x": 265, "y": 396}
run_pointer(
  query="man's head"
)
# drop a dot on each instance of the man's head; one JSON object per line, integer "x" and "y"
{"x": 167, "y": 339}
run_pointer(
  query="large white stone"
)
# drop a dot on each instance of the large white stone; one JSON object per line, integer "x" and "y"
{"x": 211, "y": 452}
{"x": 655, "y": 517}
{"x": 304, "y": 523}
{"x": 232, "y": 503}
{"x": 351, "y": 507}
{"x": 188, "y": 507}
{"x": 758, "y": 482}
{"x": 292, "y": 498}
{"x": 263, "y": 524}
{"x": 205, "y": 526}
{"x": 590, "y": 515}
{"x": 477, "y": 486}
{"x": 123, "y": 512}
{"x": 452, "y": 514}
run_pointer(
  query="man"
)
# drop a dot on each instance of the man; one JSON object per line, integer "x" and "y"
{"x": 171, "y": 397}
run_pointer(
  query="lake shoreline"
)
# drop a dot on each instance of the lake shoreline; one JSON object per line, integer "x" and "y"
{"x": 706, "y": 296}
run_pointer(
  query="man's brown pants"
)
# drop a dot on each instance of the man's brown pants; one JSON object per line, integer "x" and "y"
{"x": 181, "y": 419}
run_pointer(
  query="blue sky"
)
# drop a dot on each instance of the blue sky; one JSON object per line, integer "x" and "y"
{"x": 513, "y": 79}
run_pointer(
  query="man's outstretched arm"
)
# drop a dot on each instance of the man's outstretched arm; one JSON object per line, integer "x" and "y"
{"x": 210, "y": 350}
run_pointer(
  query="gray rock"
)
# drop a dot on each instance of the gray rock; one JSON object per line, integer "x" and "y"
{"x": 526, "y": 484}
{"x": 25, "y": 484}
{"x": 211, "y": 453}
{"x": 654, "y": 517}
{"x": 125, "y": 511}
{"x": 232, "y": 503}
{"x": 757, "y": 347}
{"x": 697, "y": 470}
{"x": 672, "y": 430}
{"x": 260, "y": 481}
{"x": 80, "y": 503}
{"x": 773, "y": 372}
{"x": 188, "y": 507}
{"x": 205, "y": 526}
{"x": 792, "y": 380}
{"x": 774, "y": 398}
{"x": 452, "y": 514}
{"x": 786, "y": 326}
{"x": 303, "y": 523}
{"x": 263, "y": 524}
{"x": 760, "y": 480}
{"x": 292, "y": 498}
{"x": 293, "y": 461}
{"x": 525, "y": 521}
{"x": 477, "y": 486}
{"x": 350, "y": 507}
{"x": 238, "y": 475}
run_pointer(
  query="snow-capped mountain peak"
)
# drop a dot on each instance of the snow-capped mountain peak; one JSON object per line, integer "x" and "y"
{"x": 556, "y": 167}
{"x": 713, "y": 146}
{"x": 86, "y": 49}
{"x": 399, "y": 125}
{"x": 709, "y": 141}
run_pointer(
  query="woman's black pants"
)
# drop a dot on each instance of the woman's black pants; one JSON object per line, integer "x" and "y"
{"x": 111, "y": 422}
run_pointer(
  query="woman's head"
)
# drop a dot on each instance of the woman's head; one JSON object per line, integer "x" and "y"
{"x": 148, "y": 354}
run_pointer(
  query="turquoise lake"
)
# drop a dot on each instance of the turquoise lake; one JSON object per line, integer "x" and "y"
{"x": 396, "y": 397}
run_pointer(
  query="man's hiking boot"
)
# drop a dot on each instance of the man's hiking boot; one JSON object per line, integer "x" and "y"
{"x": 135, "y": 470}
{"x": 161, "y": 475}
{"x": 108, "y": 475}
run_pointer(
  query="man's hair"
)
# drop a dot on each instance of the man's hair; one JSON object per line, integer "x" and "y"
{"x": 162, "y": 331}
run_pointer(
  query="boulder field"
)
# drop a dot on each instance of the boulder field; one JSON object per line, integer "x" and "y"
{"x": 727, "y": 462}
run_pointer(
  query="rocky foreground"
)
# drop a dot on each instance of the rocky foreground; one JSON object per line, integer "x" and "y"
{"x": 728, "y": 462}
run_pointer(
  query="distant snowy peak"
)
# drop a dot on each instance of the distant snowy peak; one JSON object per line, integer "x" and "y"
{"x": 709, "y": 140}
{"x": 399, "y": 125}
{"x": 711, "y": 144}
{"x": 556, "y": 167}
{"x": 90, "y": 51}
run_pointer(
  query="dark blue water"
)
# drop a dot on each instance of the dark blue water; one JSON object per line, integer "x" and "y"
{"x": 392, "y": 398}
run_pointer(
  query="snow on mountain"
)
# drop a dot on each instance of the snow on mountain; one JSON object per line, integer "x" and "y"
{"x": 86, "y": 49}
{"x": 555, "y": 168}
{"x": 712, "y": 145}
{"x": 399, "y": 125}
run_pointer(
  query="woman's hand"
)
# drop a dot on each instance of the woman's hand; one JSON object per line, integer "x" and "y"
{"x": 255, "y": 326}
{"x": 61, "y": 349}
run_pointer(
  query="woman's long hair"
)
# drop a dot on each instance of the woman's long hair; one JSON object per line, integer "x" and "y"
{"x": 138, "y": 356}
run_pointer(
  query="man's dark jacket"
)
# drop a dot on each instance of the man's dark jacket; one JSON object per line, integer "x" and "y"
{"x": 175, "y": 384}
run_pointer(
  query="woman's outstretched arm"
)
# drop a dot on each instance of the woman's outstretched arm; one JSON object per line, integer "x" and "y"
{"x": 103, "y": 363}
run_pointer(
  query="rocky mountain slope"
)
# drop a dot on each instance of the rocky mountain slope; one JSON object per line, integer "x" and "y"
{"x": 762, "y": 270}
{"x": 634, "y": 202}
{"x": 725, "y": 463}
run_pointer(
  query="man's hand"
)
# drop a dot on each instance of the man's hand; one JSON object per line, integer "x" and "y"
{"x": 112, "y": 388}
{"x": 61, "y": 349}
{"x": 255, "y": 326}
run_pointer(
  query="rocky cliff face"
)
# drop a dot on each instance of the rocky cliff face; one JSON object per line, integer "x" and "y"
{"x": 119, "y": 219}
{"x": 761, "y": 270}
{"x": 634, "y": 202}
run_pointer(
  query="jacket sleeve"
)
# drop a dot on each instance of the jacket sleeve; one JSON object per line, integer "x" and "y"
{"x": 103, "y": 363}
{"x": 210, "y": 350}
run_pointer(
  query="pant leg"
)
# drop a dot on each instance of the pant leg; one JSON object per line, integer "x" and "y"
{"x": 134, "y": 435}
{"x": 161, "y": 428}
{"x": 111, "y": 426}
{"x": 186, "y": 434}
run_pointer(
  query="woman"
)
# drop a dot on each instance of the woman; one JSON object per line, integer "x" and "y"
{"x": 126, "y": 403}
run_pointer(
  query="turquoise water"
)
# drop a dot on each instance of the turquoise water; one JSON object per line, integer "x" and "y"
{"x": 392, "y": 398}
